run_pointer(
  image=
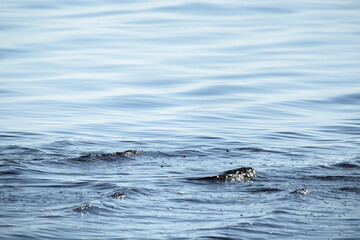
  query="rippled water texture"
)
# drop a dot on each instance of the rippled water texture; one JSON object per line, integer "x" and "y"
{"x": 116, "y": 117}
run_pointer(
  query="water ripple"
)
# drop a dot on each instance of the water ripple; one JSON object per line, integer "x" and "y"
{"x": 192, "y": 89}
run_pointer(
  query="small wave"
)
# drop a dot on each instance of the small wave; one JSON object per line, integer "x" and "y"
{"x": 184, "y": 154}
{"x": 218, "y": 10}
{"x": 293, "y": 135}
{"x": 350, "y": 189}
{"x": 265, "y": 190}
{"x": 87, "y": 208}
{"x": 345, "y": 165}
{"x": 337, "y": 178}
{"x": 97, "y": 209}
{"x": 83, "y": 208}
{"x": 108, "y": 156}
{"x": 348, "y": 129}
{"x": 348, "y": 99}
{"x": 256, "y": 149}
{"x": 123, "y": 192}
{"x": 19, "y": 149}
{"x": 10, "y": 172}
{"x": 8, "y": 136}
{"x": 118, "y": 195}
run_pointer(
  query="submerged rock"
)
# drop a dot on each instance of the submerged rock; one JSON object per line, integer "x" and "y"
{"x": 239, "y": 174}
{"x": 302, "y": 191}
{"x": 127, "y": 153}
{"x": 108, "y": 156}
{"x": 118, "y": 195}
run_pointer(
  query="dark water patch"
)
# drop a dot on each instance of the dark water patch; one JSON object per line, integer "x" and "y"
{"x": 106, "y": 13}
{"x": 136, "y": 101}
{"x": 239, "y": 174}
{"x": 10, "y": 27}
{"x": 17, "y": 169}
{"x": 222, "y": 10}
{"x": 22, "y": 133}
{"x": 13, "y": 170}
{"x": 264, "y": 190}
{"x": 8, "y": 136}
{"x": 280, "y": 212}
{"x": 33, "y": 196}
{"x": 272, "y": 10}
{"x": 354, "y": 121}
{"x": 205, "y": 198}
{"x": 36, "y": 6}
{"x": 347, "y": 99}
{"x": 197, "y": 9}
{"x": 337, "y": 178}
{"x": 6, "y": 92}
{"x": 350, "y": 189}
{"x": 99, "y": 186}
{"x": 9, "y": 172}
{"x": 50, "y": 183}
{"x": 257, "y": 150}
{"x": 341, "y": 102}
{"x": 210, "y": 137}
{"x": 341, "y": 129}
{"x": 259, "y": 75}
{"x": 216, "y": 90}
{"x": 292, "y": 135}
{"x": 6, "y": 53}
{"x": 345, "y": 165}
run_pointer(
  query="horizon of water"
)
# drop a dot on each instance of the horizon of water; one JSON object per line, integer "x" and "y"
{"x": 193, "y": 88}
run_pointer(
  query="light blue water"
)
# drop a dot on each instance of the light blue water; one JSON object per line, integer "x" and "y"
{"x": 197, "y": 88}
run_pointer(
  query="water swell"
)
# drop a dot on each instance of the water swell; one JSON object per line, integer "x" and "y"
{"x": 96, "y": 209}
{"x": 345, "y": 165}
{"x": 128, "y": 154}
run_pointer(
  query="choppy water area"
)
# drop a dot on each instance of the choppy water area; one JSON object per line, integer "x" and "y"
{"x": 192, "y": 89}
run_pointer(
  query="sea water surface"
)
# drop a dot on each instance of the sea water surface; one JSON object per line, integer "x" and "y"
{"x": 192, "y": 89}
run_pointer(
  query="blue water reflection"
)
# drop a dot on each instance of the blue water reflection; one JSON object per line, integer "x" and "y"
{"x": 195, "y": 88}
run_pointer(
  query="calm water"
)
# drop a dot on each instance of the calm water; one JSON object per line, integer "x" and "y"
{"x": 196, "y": 88}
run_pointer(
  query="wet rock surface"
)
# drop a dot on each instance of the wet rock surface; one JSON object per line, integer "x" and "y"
{"x": 239, "y": 174}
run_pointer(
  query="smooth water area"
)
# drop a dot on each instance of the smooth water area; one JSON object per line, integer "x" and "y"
{"x": 193, "y": 89}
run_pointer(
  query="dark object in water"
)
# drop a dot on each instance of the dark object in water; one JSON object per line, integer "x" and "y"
{"x": 239, "y": 174}
{"x": 108, "y": 156}
{"x": 127, "y": 153}
{"x": 302, "y": 191}
{"x": 118, "y": 195}
{"x": 83, "y": 208}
